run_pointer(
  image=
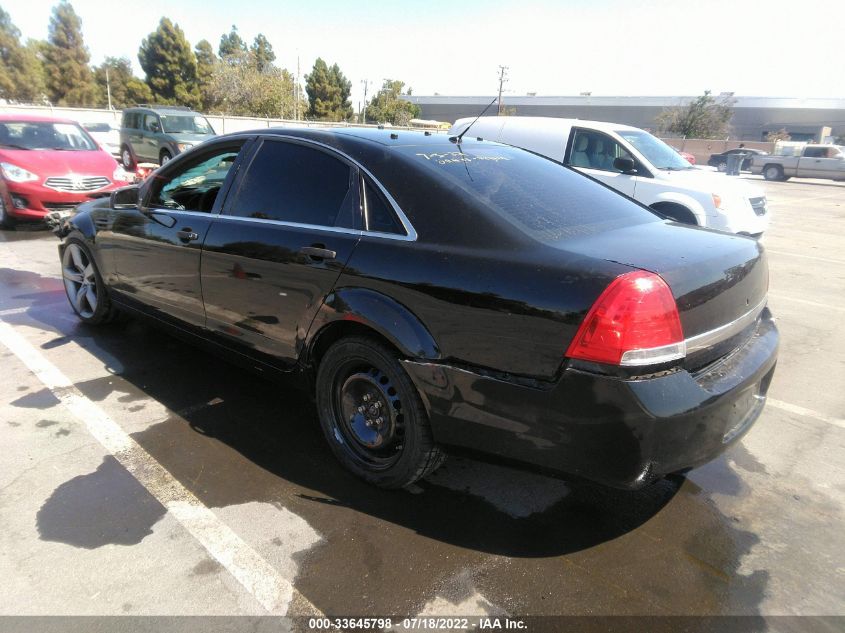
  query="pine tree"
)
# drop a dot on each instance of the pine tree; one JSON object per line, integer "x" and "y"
{"x": 328, "y": 93}
{"x": 126, "y": 89}
{"x": 206, "y": 62}
{"x": 262, "y": 53}
{"x": 231, "y": 43}
{"x": 69, "y": 79}
{"x": 170, "y": 65}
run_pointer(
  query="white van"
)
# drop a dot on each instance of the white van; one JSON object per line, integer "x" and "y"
{"x": 635, "y": 163}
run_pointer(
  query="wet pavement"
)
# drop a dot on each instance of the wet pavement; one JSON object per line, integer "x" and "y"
{"x": 758, "y": 531}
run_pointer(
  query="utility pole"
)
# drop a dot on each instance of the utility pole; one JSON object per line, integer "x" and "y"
{"x": 366, "y": 83}
{"x": 296, "y": 93}
{"x": 502, "y": 79}
{"x": 108, "y": 87}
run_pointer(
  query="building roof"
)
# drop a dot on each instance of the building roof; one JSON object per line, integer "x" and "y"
{"x": 811, "y": 103}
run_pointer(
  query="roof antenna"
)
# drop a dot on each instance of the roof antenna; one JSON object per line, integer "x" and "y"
{"x": 457, "y": 139}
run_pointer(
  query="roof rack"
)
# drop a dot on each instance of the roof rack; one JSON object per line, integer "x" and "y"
{"x": 162, "y": 106}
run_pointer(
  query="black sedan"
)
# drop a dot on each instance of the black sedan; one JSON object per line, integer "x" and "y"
{"x": 442, "y": 295}
{"x": 720, "y": 161}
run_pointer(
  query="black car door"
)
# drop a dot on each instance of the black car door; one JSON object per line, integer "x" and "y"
{"x": 278, "y": 246}
{"x": 157, "y": 247}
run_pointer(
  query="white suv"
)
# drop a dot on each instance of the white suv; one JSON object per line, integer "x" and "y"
{"x": 635, "y": 163}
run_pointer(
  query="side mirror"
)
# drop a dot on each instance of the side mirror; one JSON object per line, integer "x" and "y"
{"x": 625, "y": 165}
{"x": 125, "y": 198}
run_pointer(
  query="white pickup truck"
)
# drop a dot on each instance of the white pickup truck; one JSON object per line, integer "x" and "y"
{"x": 813, "y": 161}
{"x": 637, "y": 164}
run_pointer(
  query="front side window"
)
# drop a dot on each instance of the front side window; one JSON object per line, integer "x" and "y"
{"x": 656, "y": 151}
{"x": 151, "y": 123}
{"x": 294, "y": 183}
{"x": 595, "y": 150}
{"x": 195, "y": 185}
{"x": 45, "y": 135}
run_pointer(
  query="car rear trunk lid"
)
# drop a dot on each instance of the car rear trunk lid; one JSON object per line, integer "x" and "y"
{"x": 719, "y": 280}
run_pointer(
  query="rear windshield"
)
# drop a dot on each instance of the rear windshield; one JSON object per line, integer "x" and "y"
{"x": 538, "y": 196}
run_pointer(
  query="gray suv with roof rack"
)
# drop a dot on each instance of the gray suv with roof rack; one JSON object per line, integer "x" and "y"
{"x": 155, "y": 134}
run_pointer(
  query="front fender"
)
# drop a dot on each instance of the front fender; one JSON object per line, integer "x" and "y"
{"x": 377, "y": 311}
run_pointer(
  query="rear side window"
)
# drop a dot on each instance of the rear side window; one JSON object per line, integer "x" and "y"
{"x": 294, "y": 183}
{"x": 536, "y": 195}
{"x": 380, "y": 217}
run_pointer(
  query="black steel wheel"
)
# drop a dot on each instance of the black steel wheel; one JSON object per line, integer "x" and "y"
{"x": 372, "y": 415}
{"x": 84, "y": 286}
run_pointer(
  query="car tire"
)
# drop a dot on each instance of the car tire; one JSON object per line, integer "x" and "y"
{"x": 773, "y": 172}
{"x": 7, "y": 222}
{"x": 722, "y": 166}
{"x": 372, "y": 415}
{"x": 126, "y": 158}
{"x": 164, "y": 156}
{"x": 86, "y": 292}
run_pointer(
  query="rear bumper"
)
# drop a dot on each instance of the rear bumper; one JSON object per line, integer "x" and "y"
{"x": 619, "y": 432}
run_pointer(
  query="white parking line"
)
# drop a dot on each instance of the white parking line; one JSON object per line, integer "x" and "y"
{"x": 813, "y": 257}
{"x": 257, "y": 576}
{"x": 816, "y": 304}
{"x": 807, "y": 413}
{"x": 12, "y": 311}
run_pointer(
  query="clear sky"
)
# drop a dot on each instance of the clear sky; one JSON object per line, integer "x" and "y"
{"x": 609, "y": 47}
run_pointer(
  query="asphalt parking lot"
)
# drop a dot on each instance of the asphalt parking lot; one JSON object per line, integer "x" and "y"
{"x": 143, "y": 477}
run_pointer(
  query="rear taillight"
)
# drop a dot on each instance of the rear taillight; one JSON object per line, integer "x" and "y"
{"x": 634, "y": 322}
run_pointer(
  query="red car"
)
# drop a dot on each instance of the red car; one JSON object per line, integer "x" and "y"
{"x": 49, "y": 165}
{"x": 686, "y": 156}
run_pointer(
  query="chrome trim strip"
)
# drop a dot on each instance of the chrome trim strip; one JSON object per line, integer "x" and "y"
{"x": 708, "y": 339}
{"x": 71, "y": 179}
{"x": 296, "y": 225}
{"x": 167, "y": 210}
{"x": 676, "y": 351}
{"x": 653, "y": 355}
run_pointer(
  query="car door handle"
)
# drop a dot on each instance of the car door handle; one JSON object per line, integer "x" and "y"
{"x": 187, "y": 235}
{"x": 317, "y": 252}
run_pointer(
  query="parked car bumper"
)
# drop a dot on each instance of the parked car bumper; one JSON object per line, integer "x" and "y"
{"x": 34, "y": 201}
{"x": 619, "y": 432}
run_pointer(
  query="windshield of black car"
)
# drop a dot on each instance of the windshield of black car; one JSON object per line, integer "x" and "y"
{"x": 185, "y": 124}
{"x": 45, "y": 135}
{"x": 540, "y": 197}
{"x": 656, "y": 151}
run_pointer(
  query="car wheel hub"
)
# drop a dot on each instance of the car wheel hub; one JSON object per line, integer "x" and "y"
{"x": 370, "y": 412}
{"x": 80, "y": 280}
